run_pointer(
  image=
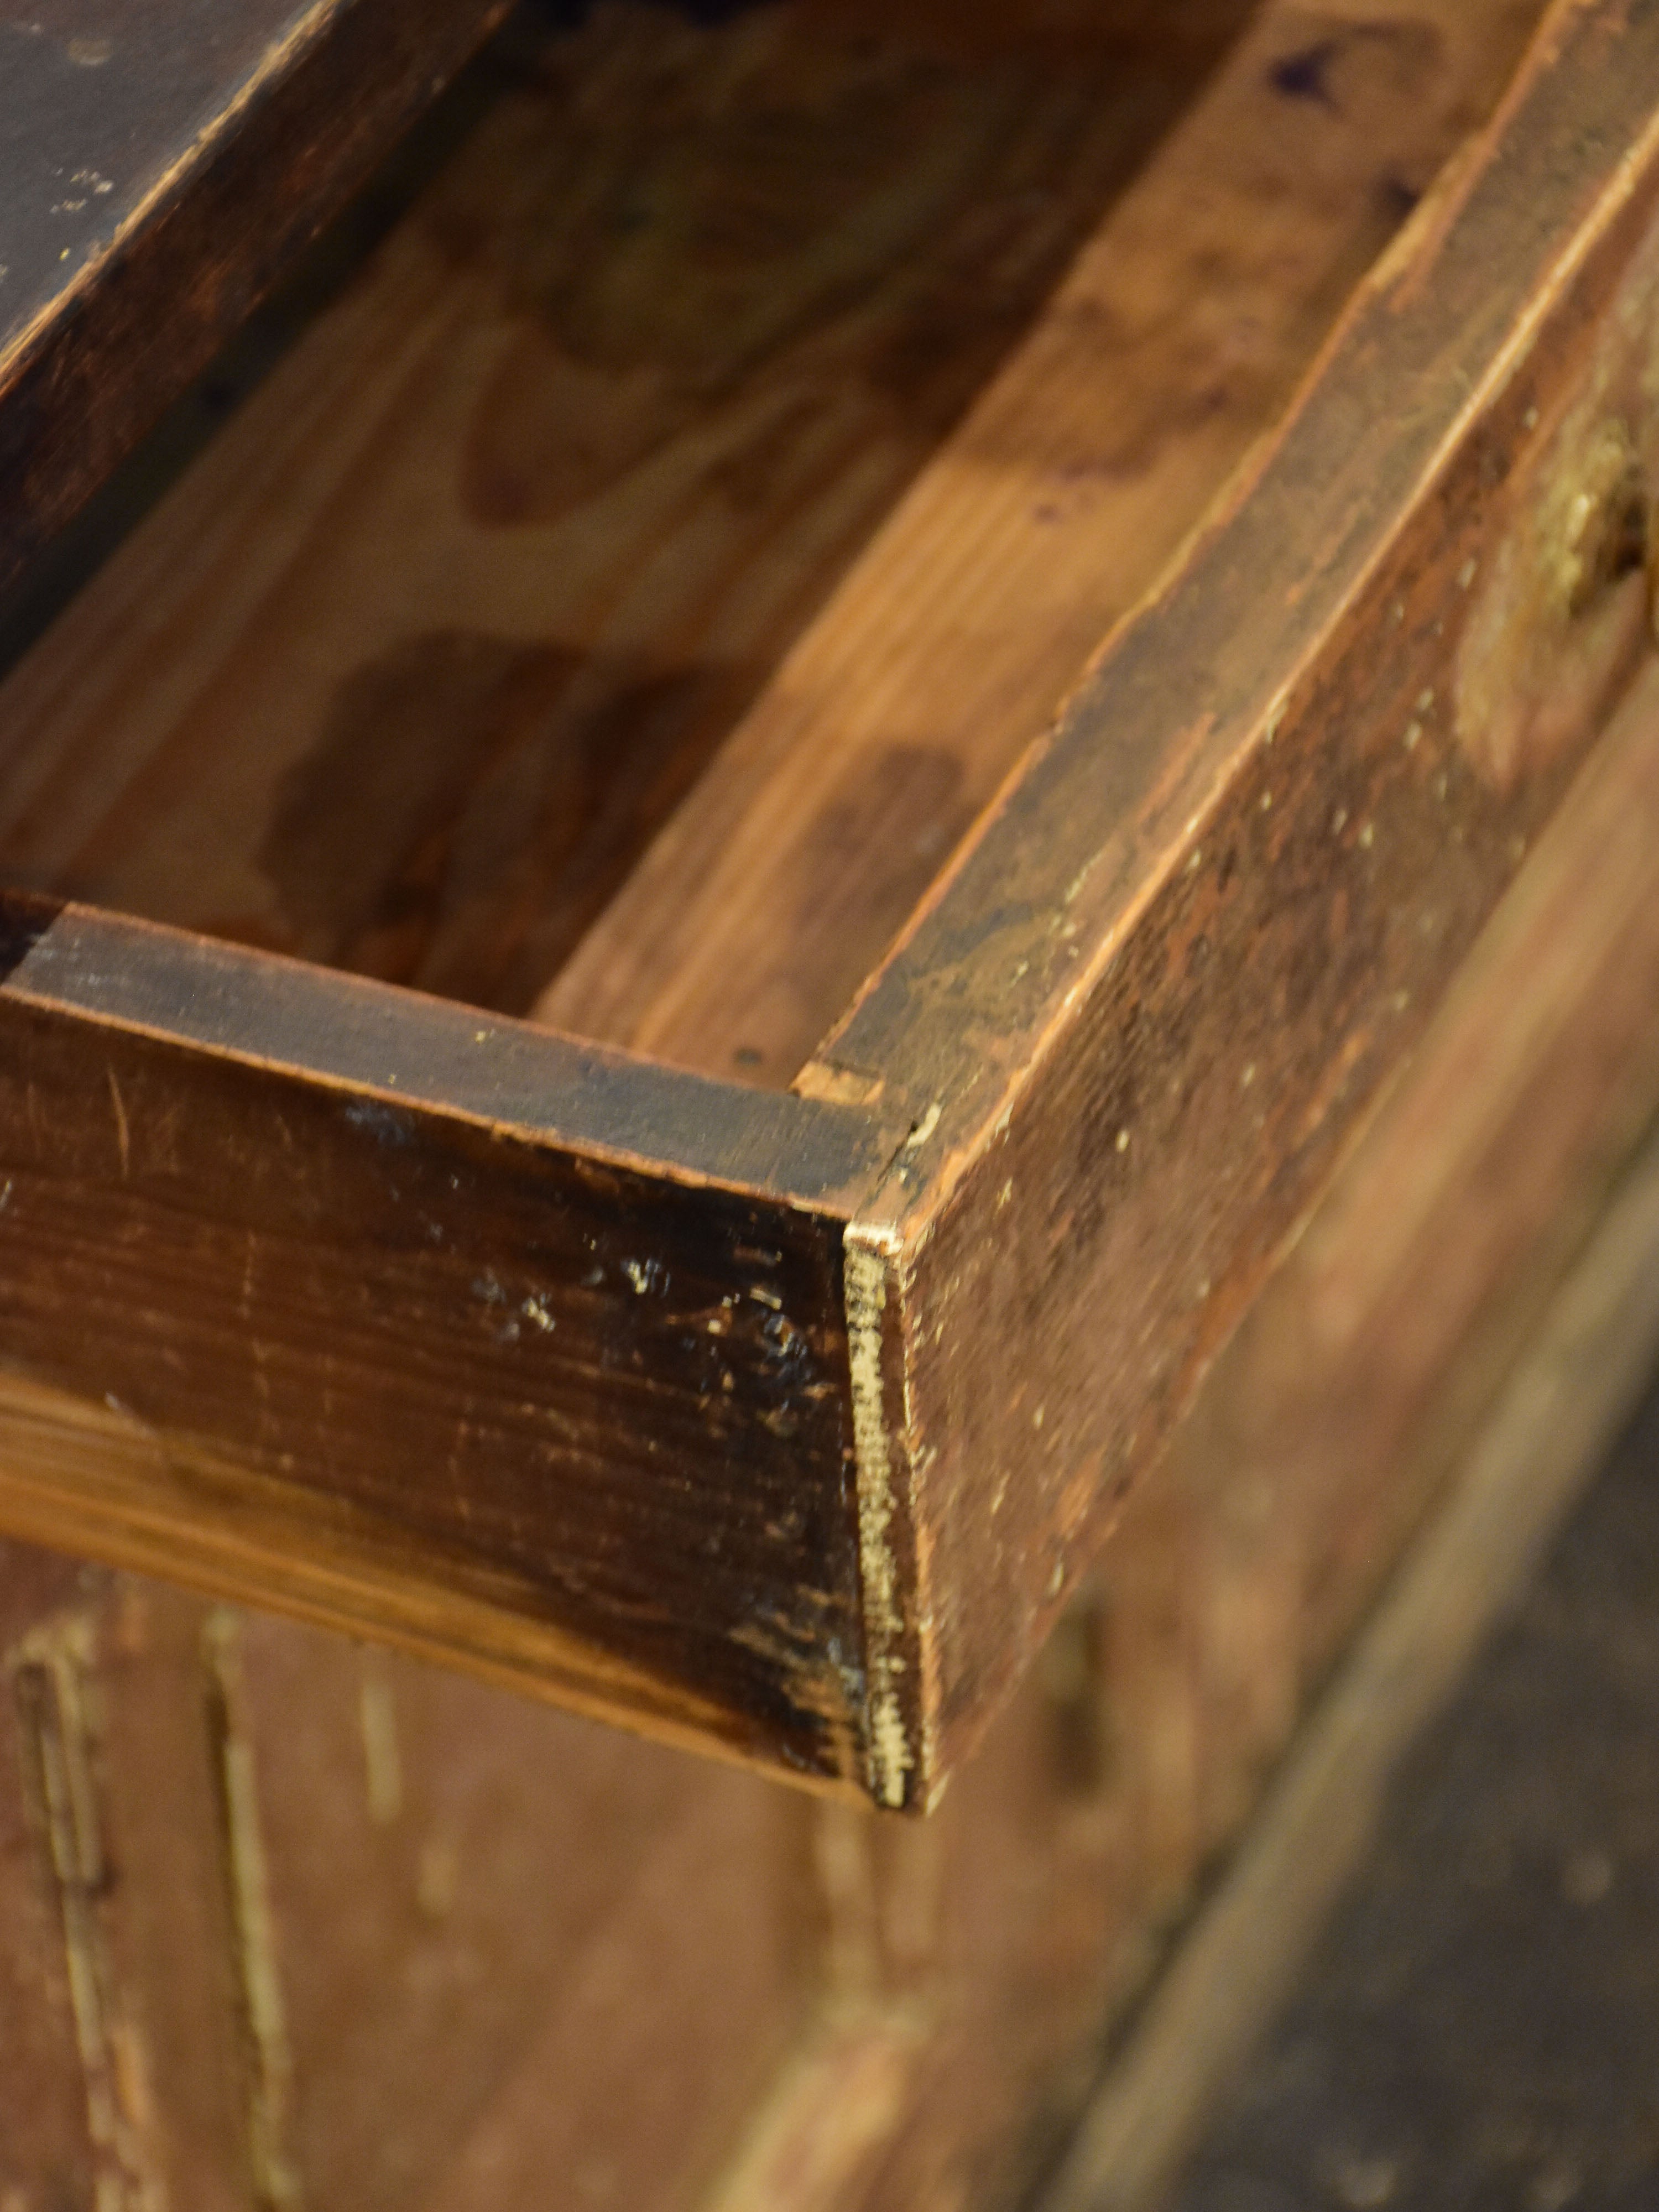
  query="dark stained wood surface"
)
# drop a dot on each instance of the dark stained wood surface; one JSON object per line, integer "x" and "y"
{"x": 351, "y": 1313}
{"x": 949, "y": 1973}
{"x": 1129, "y": 1040}
{"x": 398, "y": 1819}
{"x": 1153, "y": 1003}
{"x": 972, "y": 1956}
{"x": 160, "y": 164}
{"x": 415, "y": 1051}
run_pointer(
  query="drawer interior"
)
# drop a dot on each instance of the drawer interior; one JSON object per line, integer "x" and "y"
{"x": 628, "y": 586}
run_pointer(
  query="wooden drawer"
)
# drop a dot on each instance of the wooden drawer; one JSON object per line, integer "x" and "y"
{"x": 869, "y": 1038}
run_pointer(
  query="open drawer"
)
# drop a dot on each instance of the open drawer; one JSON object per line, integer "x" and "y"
{"x": 659, "y": 1001}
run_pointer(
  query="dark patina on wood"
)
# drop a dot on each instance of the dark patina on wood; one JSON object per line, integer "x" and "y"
{"x": 158, "y": 169}
{"x": 785, "y": 1423}
{"x": 1155, "y": 998}
{"x": 558, "y": 1336}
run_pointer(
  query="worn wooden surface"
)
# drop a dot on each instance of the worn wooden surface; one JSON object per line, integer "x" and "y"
{"x": 1178, "y": 337}
{"x": 309, "y": 1971}
{"x": 861, "y": 2012}
{"x": 83, "y": 776}
{"x": 445, "y": 623}
{"x": 964, "y": 1962}
{"x": 1324, "y": 1438}
{"x": 158, "y": 169}
{"x": 1141, "y": 1745}
{"x": 1144, "y": 1015}
{"x": 327, "y": 1296}
{"x": 292, "y": 1924}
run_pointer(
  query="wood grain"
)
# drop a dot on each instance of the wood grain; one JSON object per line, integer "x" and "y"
{"x": 442, "y": 627}
{"x": 967, "y": 1961}
{"x": 435, "y": 1366}
{"x": 1177, "y": 338}
{"x": 112, "y": 1842}
{"x": 491, "y": 1987}
{"x": 290, "y": 1922}
{"x": 944, "y": 1295}
{"x": 1419, "y": 1308}
{"x": 1153, "y": 1002}
{"x": 971, "y": 1958}
{"x": 158, "y": 172}
{"x": 43, "y": 2093}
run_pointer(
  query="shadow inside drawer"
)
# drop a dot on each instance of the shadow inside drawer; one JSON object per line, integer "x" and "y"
{"x": 413, "y": 622}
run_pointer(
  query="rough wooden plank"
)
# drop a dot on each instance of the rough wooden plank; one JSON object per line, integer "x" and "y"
{"x": 157, "y": 172}
{"x": 1063, "y": 1888}
{"x": 290, "y": 1921}
{"x": 934, "y": 2149}
{"x": 1177, "y": 338}
{"x": 500, "y": 1074}
{"x": 113, "y": 1841}
{"x": 423, "y": 649}
{"x": 309, "y": 1296}
{"x": 1329, "y": 1432}
{"x": 1153, "y": 1003}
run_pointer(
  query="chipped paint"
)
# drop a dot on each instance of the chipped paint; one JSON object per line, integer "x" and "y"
{"x": 924, "y": 1128}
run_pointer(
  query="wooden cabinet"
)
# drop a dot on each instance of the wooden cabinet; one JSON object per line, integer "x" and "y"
{"x": 693, "y": 926}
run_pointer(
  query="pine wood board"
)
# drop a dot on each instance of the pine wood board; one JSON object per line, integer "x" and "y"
{"x": 443, "y": 626}
{"x": 1176, "y": 341}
